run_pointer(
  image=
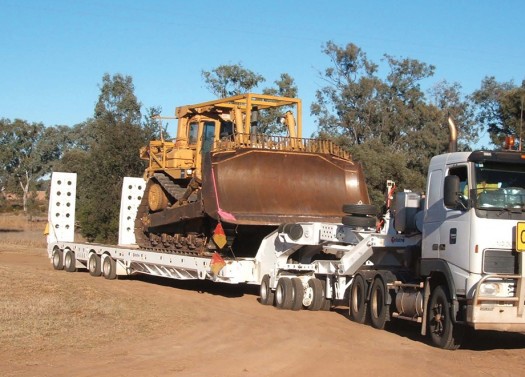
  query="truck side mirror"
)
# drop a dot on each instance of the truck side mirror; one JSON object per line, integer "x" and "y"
{"x": 451, "y": 191}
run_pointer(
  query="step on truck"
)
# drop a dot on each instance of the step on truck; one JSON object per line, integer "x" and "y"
{"x": 448, "y": 259}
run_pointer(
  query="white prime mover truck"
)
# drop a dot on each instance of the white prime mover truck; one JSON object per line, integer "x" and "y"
{"x": 449, "y": 259}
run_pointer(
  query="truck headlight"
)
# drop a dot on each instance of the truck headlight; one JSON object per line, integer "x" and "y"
{"x": 490, "y": 289}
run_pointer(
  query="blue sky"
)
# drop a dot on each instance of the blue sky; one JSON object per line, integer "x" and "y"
{"x": 54, "y": 53}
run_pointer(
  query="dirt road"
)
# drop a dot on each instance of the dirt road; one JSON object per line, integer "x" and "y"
{"x": 56, "y": 323}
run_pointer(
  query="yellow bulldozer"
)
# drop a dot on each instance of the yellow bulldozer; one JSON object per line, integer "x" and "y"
{"x": 222, "y": 170}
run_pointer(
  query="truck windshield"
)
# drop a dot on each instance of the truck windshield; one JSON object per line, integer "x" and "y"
{"x": 499, "y": 185}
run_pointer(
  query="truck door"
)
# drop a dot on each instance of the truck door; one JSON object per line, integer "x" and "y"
{"x": 434, "y": 214}
{"x": 455, "y": 232}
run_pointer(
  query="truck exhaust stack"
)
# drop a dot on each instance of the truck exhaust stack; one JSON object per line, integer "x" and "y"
{"x": 453, "y": 139}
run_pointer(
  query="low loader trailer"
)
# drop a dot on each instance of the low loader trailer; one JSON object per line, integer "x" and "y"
{"x": 447, "y": 259}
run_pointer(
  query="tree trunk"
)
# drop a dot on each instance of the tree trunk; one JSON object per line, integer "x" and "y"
{"x": 25, "y": 189}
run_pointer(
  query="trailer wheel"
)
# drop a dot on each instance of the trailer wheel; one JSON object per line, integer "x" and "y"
{"x": 327, "y": 305}
{"x": 359, "y": 221}
{"x": 69, "y": 261}
{"x": 360, "y": 209}
{"x": 318, "y": 297}
{"x": 266, "y": 293}
{"x": 379, "y": 310}
{"x": 57, "y": 258}
{"x": 109, "y": 268}
{"x": 358, "y": 304}
{"x": 443, "y": 333}
{"x": 284, "y": 294}
{"x": 298, "y": 293}
{"x": 94, "y": 265}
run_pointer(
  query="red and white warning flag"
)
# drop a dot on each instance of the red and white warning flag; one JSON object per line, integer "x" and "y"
{"x": 217, "y": 263}
{"x": 219, "y": 237}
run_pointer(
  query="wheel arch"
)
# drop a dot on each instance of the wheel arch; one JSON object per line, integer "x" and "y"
{"x": 438, "y": 272}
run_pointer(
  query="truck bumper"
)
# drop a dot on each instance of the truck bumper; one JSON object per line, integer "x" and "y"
{"x": 497, "y": 312}
{"x": 501, "y": 318}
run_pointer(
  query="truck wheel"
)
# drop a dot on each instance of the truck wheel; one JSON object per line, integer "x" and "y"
{"x": 284, "y": 294}
{"x": 298, "y": 294}
{"x": 358, "y": 304}
{"x": 359, "y": 221}
{"x": 443, "y": 333}
{"x": 379, "y": 310}
{"x": 109, "y": 268}
{"x": 266, "y": 293}
{"x": 318, "y": 298}
{"x": 57, "y": 258}
{"x": 360, "y": 209}
{"x": 94, "y": 265}
{"x": 69, "y": 261}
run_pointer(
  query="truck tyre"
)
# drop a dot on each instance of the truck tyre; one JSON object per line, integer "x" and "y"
{"x": 360, "y": 209}
{"x": 359, "y": 221}
{"x": 358, "y": 304}
{"x": 443, "y": 332}
{"x": 298, "y": 294}
{"x": 379, "y": 310}
{"x": 94, "y": 265}
{"x": 318, "y": 297}
{"x": 69, "y": 261}
{"x": 284, "y": 294}
{"x": 57, "y": 258}
{"x": 109, "y": 268}
{"x": 265, "y": 292}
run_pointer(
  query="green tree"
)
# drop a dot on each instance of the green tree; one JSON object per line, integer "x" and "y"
{"x": 385, "y": 120}
{"x": 499, "y": 108}
{"x": 109, "y": 152}
{"x": 25, "y": 156}
{"x": 269, "y": 122}
{"x": 231, "y": 80}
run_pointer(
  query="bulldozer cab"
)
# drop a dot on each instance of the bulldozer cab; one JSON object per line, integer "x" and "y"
{"x": 223, "y": 124}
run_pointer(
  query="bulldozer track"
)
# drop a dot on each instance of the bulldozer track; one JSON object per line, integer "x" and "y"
{"x": 175, "y": 190}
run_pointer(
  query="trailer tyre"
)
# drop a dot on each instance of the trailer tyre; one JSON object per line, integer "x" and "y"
{"x": 379, "y": 310}
{"x": 298, "y": 294}
{"x": 266, "y": 293}
{"x": 94, "y": 265}
{"x": 318, "y": 297}
{"x": 360, "y": 209}
{"x": 109, "y": 268}
{"x": 284, "y": 294}
{"x": 443, "y": 332}
{"x": 327, "y": 304}
{"x": 69, "y": 261}
{"x": 58, "y": 258}
{"x": 358, "y": 304}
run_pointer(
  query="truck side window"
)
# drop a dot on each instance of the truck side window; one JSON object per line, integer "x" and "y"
{"x": 194, "y": 133}
{"x": 462, "y": 174}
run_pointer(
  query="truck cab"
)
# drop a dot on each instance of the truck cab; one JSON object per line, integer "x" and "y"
{"x": 474, "y": 205}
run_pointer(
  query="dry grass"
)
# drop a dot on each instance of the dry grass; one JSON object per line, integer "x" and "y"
{"x": 17, "y": 230}
{"x": 43, "y": 310}
{"x": 40, "y": 310}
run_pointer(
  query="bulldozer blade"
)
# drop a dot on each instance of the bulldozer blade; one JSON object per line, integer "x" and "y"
{"x": 265, "y": 187}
